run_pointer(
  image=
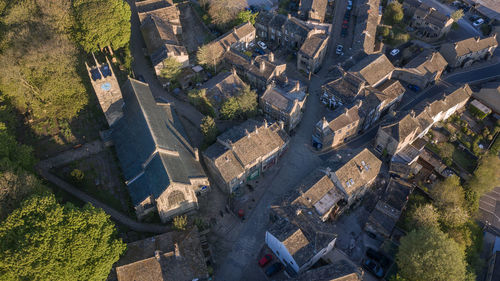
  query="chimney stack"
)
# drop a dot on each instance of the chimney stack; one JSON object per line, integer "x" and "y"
{"x": 262, "y": 65}
{"x": 265, "y": 123}
{"x": 271, "y": 57}
{"x": 297, "y": 85}
{"x": 157, "y": 255}
{"x": 247, "y": 133}
{"x": 256, "y": 129}
{"x": 233, "y": 70}
{"x": 177, "y": 251}
{"x": 196, "y": 154}
{"x": 289, "y": 16}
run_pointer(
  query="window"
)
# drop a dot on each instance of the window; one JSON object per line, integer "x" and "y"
{"x": 176, "y": 198}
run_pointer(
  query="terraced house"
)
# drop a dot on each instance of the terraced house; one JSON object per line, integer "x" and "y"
{"x": 312, "y": 52}
{"x": 282, "y": 30}
{"x": 244, "y": 152}
{"x": 314, "y": 10}
{"x": 430, "y": 24}
{"x": 464, "y": 53}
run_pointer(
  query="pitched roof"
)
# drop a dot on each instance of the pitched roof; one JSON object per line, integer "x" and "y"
{"x": 140, "y": 263}
{"x": 343, "y": 116}
{"x": 312, "y": 44}
{"x": 402, "y": 128}
{"x": 316, "y": 6}
{"x": 223, "y": 86}
{"x": 432, "y": 16}
{"x": 284, "y": 98}
{"x": 151, "y": 144}
{"x": 243, "y": 145}
{"x": 156, "y": 33}
{"x": 389, "y": 90}
{"x": 239, "y": 60}
{"x": 366, "y": 26}
{"x": 165, "y": 10}
{"x": 471, "y": 45}
{"x": 373, "y": 68}
{"x": 223, "y": 42}
{"x": 346, "y": 88}
{"x": 490, "y": 96}
{"x": 337, "y": 271}
{"x": 360, "y": 170}
{"x": 297, "y": 27}
{"x": 427, "y": 62}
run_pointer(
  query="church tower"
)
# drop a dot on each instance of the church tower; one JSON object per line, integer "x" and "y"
{"x": 107, "y": 90}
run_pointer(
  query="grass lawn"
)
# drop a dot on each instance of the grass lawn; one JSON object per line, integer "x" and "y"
{"x": 464, "y": 159}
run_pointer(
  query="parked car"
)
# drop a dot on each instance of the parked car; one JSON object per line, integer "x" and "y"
{"x": 394, "y": 52}
{"x": 347, "y": 15}
{"x": 262, "y": 45}
{"x": 373, "y": 267}
{"x": 343, "y": 32}
{"x": 339, "y": 49}
{"x": 349, "y": 5}
{"x": 414, "y": 88}
{"x": 273, "y": 269}
{"x": 478, "y": 22}
{"x": 474, "y": 18}
{"x": 259, "y": 51}
{"x": 265, "y": 260}
{"x": 251, "y": 44}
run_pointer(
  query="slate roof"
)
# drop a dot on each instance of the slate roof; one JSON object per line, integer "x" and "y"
{"x": 431, "y": 15}
{"x": 347, "y": 88}
{"x": 223, "y": 42}
{"x": 248, "y": 141}
{"x": 164, "y": 10}
{"x": 156, "y": 33}
{"x": 373, "y": 68}
{"x": 402, "y": 128}
{"x": 357, "y": 172}
{"x": 296, "y": 27}
{"x": 365, "y": 29}
{"x": 389, "y": 90}
{"x": 337, "y": 271}
{"x": 427, "y": 62}
{"x": 316, "y": 6}
{"x": 470, "y": 45}
{"x": 151, "y": 149}
{"x": 223, "y": 86}
{"x": 284, "y": 98}
{"x": 312, "y": 45}
{"x": 240, "y": 61}
{"x": 343, "y": 116}
{"x": 396, "y": 193}
{"x": 140, "y": 263}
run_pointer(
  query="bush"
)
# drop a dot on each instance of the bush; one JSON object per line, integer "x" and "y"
{"x": 77, "y": 175}
{"x": 180, "y": 222}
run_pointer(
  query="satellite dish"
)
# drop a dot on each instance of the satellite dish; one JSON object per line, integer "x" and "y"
{"x": 106, "y": 86}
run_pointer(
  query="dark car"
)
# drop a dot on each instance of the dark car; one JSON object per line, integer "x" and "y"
{"x": 259, "y": 51}
{"x": 265, "y": 260}
{"x": 347, "y": 16}
{"x": 373, "y": 267}
{"x": 273, "y": 269}
{"x": 414, "y": 88}
{"x": 343, "y": 32}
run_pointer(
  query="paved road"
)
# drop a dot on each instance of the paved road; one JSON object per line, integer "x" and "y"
{"x": 476, "y": 75}
{"x": 43, "y": 168}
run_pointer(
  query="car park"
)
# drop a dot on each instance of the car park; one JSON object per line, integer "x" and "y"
{"x": 273, "y": 269}
{"x": 262, "y": 45}
{"x": 265, "y": 260}
{"x": 394, "y": 52}
{"x": 373, "y": 267}
{"x": 339, "y": 49}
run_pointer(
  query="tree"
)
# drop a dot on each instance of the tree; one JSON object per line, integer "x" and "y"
{"x": 209, "y": 129}
{"x": 449, "y": 199}
{"x": 457, "y": 15}
{"x": 383, "y": 31}
{"x": 446, "y": 151}
{"x": 393, "y": 13}
{"x": 101, "y": 23}
{"x": 209, "y": 55}
{"x": 425, "y": 216}
{"x": 486, "y": 175}
{"x": 198, "y": 98}
{"x": 229, "y": 109}
{"x": 224, "y": 12}
{"x": 171, "y": 69}
{"x": 12, "y": 154}
{"x": 429, "y": 254}
{"x": 43, "y": 240}
{"x": 180, "y": 222}
{"x": 77, "y": 175}
{"x": 246, "y": 16}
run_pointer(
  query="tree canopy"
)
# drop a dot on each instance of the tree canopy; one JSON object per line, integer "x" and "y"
{"x": 457, "y": 15}
{"x": 240, "y": 107}
{"x": 43, "y": 240}
{"x": 171, "y": 69}
{"x": 449, "y": 199}
{"x": 100, "y": 23}
{"x": 209, "y": 129}
{"x": 425, "y": 216}
{"x": 246, "y": 16}
{"x": 207, "y": 55}
{"x": 225, "y": 12}
{"x": 429, "y": 254}
{"x": 393, "y": 14}
{"x": 486, "y": 175}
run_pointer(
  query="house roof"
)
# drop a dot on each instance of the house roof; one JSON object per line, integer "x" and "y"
{"x": 180, "y": 258}
{"x": 297, "y": 27}
{"x": 489, "y": 95}
{"x": 470, "y": 45}
{"x": 157, "y": 32}
{"x": 337, "y": 271}
{"x": 357, "y": 172}
{"x": 402, "y": 128}
{"x": 366, "y": 26}
{"x": 165, "y": 10}
{"x": 284, "y": 98}
{"x": 432, "y": 16}
{"x": 223, "y": 42}
{"x": 312, "y": 45}
{"x": 243, "y": 145}
{"x": 343, "y": 116}
{"x": 427, "y": 62}
{"x": 389, "y": 91}
{"x": 316, "y": 6}
{"x": 346, "y": 88}
{"x": 373, "y": 68}
{"x": 223, "y": 86}
{"x": 239, "y": 60}
{"x": 396, "y": 193}
{"x": 151, "y": 144}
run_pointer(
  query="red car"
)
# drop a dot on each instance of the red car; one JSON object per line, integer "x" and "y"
{"x": 345, "y": 22}
{"x": 265, "y": 260}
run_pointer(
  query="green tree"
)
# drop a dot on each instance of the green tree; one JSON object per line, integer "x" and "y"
{"x": 247, "y": 101}
{"x": 393, "y": 14}
{"x": 171, "y": 69}
{"x": 425, "y": 216}
{"x": 224, "y": 12}
{"x": 77, "y": 175}
{"x": 457, "y": 15}
{"x": 246, "y": 16}
{"x": 383, "y": 31}
{"x": 43, "y": 240}
{"x": 209, "y": 55}
{"x": 198, "y": 98}
{"x": 180, "y": 222}
{"x": 449, "y": 199}
{"x": 209, "y": 129}
{"x": 429, "y": 254}
{"x": 12, "y": 154}
{"x": 101, "y": 23}
{"x": 486, "y": 175}
{"x": 229, "y": 109}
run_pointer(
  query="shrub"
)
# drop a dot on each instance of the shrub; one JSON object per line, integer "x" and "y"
{"x": 77, "y": 175}
{"x": 180, "y": 222}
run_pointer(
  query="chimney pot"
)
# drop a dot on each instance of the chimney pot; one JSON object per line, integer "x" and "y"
{"x": 177, "y": 251}
{"x": 297, "y": 85}
{"x": 265, "y": 123}
{"x": 262, "y": 65}
{"x": 271, "y": 57}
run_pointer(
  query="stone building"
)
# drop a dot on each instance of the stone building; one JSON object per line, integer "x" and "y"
{"x": 242, "y": 34}
{"x": 314, "y": 10}
{"x": 422, "y": 70}
{"x": 161, "y": 169}
{"x": 259, "y": 71}
{"x": 282, "y": 30}
{"x": 107, "y": 90}
{"x": 284, "y": 102}
{"x": 170, "y": 256}
{"x": 365, "y": 31}
{"x": 312, "y": 52}
{"x": 429, "y": 24}
{"x": 464, "y": 53}
{"x": 244, "y": 152}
